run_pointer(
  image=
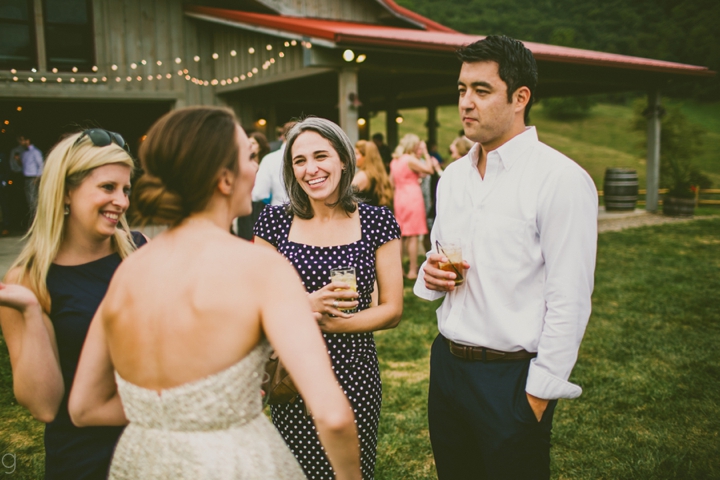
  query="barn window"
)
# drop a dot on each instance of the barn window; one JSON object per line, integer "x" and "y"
{"x": 17, "y": 35}
{"x": 69, "y": 34}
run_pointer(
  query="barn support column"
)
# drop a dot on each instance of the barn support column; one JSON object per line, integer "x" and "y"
{"x": 653, "y": 113}
{"x": 432, "y": 124}
{"x": 349, "y": 102}
{"x": 391, "y": 126}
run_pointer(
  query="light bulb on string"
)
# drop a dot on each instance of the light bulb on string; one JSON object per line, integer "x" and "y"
{"x": 178, "y": 60}
{"x": 143, "y": 61}
{"x": 233, "y": 53}
{"x": 251, "y": 50}
{"x": 268, "y": 47}
{"x": 159, "y": 62}
{"x": 133, "y": 66}
{"x": 215, "y": 56}
{"x": 114, "y": 68}
{"x": 196, "y": 58}
{"x": 94, "y": 68}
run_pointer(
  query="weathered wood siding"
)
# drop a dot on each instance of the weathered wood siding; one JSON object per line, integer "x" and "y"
{"x": 127, "y": 32}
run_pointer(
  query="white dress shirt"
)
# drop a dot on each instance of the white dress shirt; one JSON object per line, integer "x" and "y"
{"x": 269, "y": 179}
{"x": 529, "y": 232}
{"x": 32, "y": 162}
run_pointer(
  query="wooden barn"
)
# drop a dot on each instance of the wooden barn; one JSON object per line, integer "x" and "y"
{"x": 120, "y": 64}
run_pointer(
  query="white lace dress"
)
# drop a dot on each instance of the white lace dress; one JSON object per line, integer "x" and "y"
{"x": 212, "y": 428}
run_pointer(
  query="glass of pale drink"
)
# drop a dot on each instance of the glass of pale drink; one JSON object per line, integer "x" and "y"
{"x": 345, "y": 275}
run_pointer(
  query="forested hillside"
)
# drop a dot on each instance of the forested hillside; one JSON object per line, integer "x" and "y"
{"x": 686, "y": 31}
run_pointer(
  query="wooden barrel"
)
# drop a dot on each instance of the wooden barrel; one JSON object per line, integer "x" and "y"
{"x": 678, "y": 207}
{"x": 620, "y": 189}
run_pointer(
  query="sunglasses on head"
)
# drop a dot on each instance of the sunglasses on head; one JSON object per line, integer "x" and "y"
{"x": 102, "y": 138}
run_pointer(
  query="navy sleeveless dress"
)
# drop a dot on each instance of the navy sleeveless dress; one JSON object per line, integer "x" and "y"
{"x": 76, "y": 292}
{"x": 353, "y": 355}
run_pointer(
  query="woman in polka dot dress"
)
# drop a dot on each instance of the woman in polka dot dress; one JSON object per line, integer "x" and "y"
{"x": 324, "y": 227}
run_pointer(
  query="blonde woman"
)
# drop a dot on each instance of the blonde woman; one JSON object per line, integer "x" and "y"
{"x": 460, "y": 147}
{"x": 371, "y": 180}
{"x": 405, "y": 172}
{"x": 180, "y": 342}
{"x": 54, "y": 287}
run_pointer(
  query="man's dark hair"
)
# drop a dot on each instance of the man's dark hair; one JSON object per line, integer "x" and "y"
{"x": 378, "y": 137}
{"x": 516, "y": 64}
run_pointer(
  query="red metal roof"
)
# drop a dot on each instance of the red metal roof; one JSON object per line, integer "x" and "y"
{"x": 348, "y": 33}
{"x": 429, "y": 24}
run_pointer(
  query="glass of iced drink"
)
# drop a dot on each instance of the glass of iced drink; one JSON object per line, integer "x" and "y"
{"x": 345, "y": 275}
{"x": 453, "y": 252}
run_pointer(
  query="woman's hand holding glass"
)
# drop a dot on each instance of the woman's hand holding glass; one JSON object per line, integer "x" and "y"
{"x": 331, "y": 298}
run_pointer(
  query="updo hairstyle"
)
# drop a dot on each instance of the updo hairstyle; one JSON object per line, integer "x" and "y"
{"x": 183, "y": 157}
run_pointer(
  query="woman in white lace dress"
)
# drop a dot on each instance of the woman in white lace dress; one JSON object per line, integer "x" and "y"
{"x": 184, "y": 327}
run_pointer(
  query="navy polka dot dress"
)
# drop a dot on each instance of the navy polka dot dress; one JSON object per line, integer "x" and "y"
{"x": 353, "y": 355}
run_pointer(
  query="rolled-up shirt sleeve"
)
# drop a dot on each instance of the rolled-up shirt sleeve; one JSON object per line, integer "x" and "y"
{"x": 421, "y": 290}
{"x": 567, "y": 222}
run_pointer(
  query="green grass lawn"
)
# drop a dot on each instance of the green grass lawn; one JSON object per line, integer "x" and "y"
{"x": 648, "y": 366}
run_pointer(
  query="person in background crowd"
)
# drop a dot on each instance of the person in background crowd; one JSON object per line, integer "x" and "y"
{"x": 430, "y": 195}
{"x": 324, "y": 227}
{"x": 32, "y": 163}
{"x": 55, "y": 286}
{"x": 17, "y": 215}
{"x": 460, "y": 147}
{"x": 279, "y": 139}
{"x": 371, "y": 181}
{"x": 405, "y": 172}
{"x": 259, "y": 148}
{"x": 269, "y": 187}
{"x": 384, "y": 149}
{"x": 4, "y": 207}
{"x": 525, "y": 216}
{"x": 181, "y": 340}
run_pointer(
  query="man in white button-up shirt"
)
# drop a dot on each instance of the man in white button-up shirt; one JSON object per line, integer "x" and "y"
{"x": 526, "y": 218}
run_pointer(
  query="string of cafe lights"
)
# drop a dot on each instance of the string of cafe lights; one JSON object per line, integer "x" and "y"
{"x": 185, "y": 73}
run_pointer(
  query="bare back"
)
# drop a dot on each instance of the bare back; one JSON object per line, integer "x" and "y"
{"x": 184, "y": 307}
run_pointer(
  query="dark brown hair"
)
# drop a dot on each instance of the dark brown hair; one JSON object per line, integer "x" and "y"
{"x": 262, "y": 143}
{"x": 516, "y": 64}
{"x": 183, "y": 156}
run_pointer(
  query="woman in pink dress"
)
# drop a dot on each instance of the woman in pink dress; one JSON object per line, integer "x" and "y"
{"x": 405, "y": 173}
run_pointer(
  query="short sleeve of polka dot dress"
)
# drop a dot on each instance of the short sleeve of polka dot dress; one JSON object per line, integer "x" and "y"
{"x": 353, "y": 355}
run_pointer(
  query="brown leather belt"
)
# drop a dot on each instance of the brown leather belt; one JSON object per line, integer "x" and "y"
{"x": 486, "y": 354}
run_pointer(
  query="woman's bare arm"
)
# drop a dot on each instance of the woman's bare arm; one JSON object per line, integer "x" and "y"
{"x": 293, "y": 332}
{"x": 94, "y": 399}
{"x": 385, "y": 315}
{"x": 30, "y": 338}
{"x": 360, "y": 181}
{"x": 420, "y": 167}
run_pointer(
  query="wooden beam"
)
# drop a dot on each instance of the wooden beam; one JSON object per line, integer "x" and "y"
{"x": 40, "y": 35}
{"x": 348, "y": 99}
{"x": 653, "y": 150}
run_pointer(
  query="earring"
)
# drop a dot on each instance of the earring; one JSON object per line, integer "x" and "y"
{"x": 67, "y": 209}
